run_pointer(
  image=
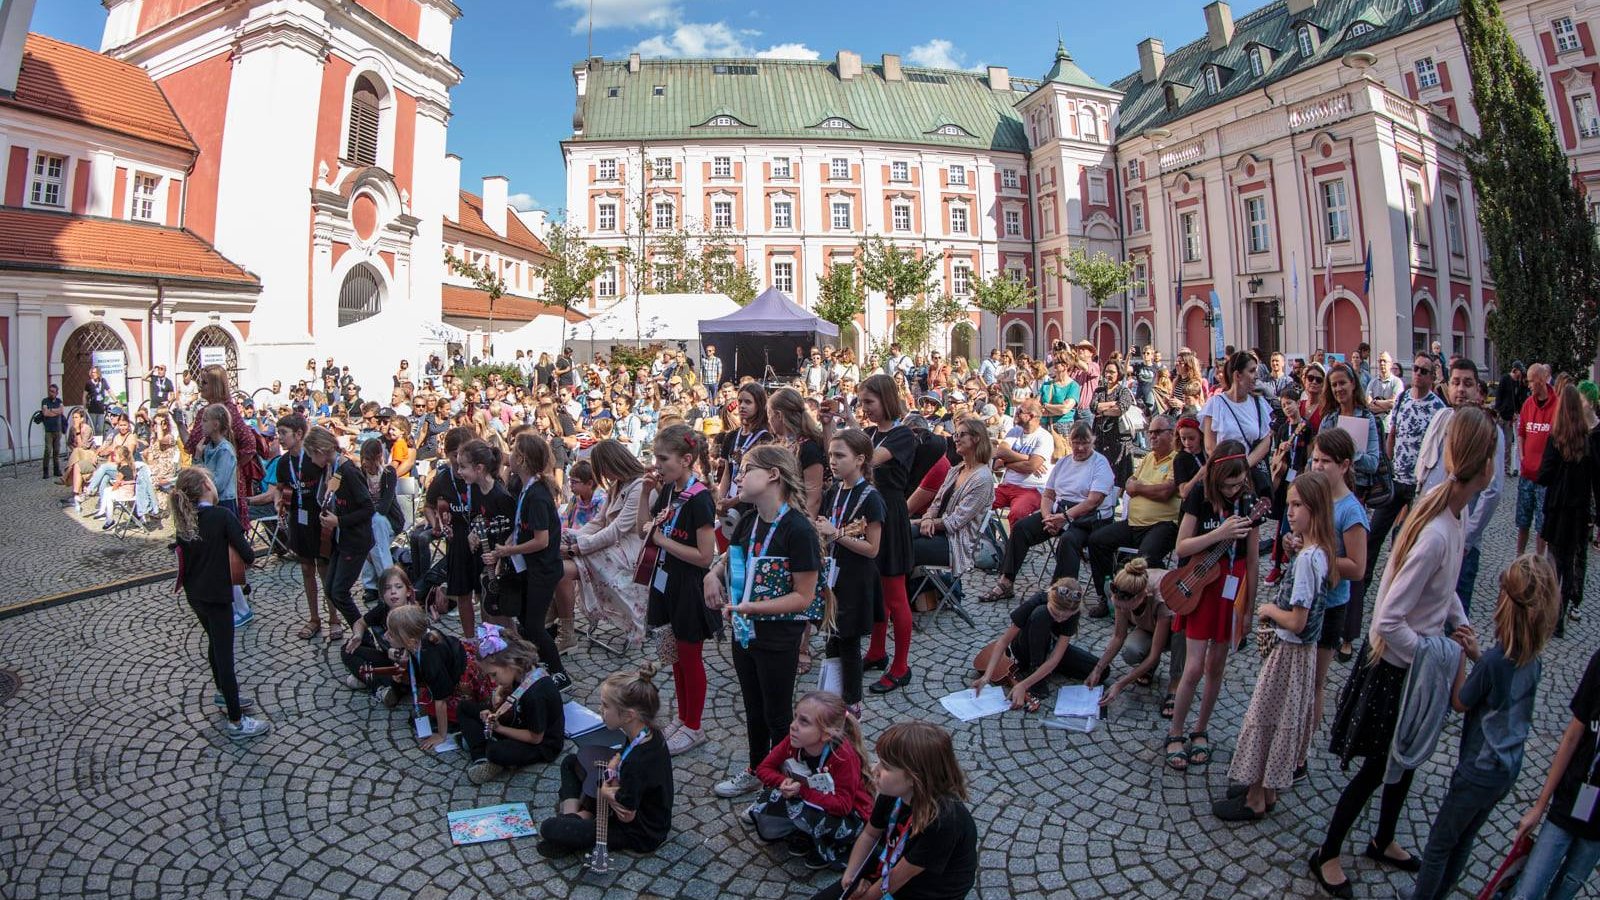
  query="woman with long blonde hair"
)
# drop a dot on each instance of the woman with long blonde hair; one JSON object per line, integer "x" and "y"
{"x": 1416, "y": 601}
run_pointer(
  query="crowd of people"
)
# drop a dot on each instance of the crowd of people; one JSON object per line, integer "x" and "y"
{"x": 1201, "y": 507}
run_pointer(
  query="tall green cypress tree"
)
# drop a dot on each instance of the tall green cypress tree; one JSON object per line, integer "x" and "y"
{"x": 1542, "y": 249}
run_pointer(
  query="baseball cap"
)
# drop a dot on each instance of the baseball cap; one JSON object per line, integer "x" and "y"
{"x": 595, "y": 394}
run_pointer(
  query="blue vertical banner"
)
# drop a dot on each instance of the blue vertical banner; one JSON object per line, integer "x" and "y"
{"x": 1217, "y": 343}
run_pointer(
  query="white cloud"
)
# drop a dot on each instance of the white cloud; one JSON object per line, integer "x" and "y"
{"x": 523, "y": 201}
{"x": 718, "y": 39}
{"x": 622, "y": 13}
{"x": 940, "y": 54}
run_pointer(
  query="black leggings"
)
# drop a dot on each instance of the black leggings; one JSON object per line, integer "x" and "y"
{"x": 1367, "y": 780}
{"x": 340, "y": 579}
{"x": 573, "y": 833}
{"x": 536, "y": 598}
{"x": 217, "y": 621}
{"x": 766, "y": 681}
{"x": 502, "y": 751}
{"x": 848, "y": 651}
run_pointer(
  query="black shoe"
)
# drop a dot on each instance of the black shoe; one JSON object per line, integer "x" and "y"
{"x": 814, "y": 860}
{"x": 1344, "y": 655}
{"x": 799, "y": 844}
{"x": 1409, "y": 864}
{"x": 890, "y": 683}
{"x": 875, "y": 665}
{"x": 1300, "y": 773}
{"x": 1235, "y": 809}
{"x": 1342, "y": 890}
{"x": 549, "y": 850}
{"x": 563, "y": 681}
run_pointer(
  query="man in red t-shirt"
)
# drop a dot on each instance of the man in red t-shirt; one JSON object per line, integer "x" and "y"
{"x": 1533, "y": 424}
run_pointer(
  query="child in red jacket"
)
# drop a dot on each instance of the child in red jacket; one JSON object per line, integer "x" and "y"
{"x": 817, "y": 793}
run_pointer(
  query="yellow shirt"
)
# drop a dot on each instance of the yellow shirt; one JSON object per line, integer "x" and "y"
{"x": 1142, "y": 511}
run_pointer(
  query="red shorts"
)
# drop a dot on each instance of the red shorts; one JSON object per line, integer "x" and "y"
{"x": 1212, "y": 619}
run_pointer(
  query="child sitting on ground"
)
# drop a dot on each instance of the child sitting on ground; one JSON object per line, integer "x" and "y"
{"x": 818, "y": 794}
{"x": 367, "y": 646}
{"x": 523, "y": 721}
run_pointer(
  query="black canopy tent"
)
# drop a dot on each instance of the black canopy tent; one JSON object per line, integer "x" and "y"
{"x": 773, "y": 331}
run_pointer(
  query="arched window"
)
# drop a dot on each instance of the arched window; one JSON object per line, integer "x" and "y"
{"x": 361, "y": 144}
{"x": 360, "y": 297}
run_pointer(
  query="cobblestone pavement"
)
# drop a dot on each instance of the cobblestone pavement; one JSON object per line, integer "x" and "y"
{"x": 119, "y": 783}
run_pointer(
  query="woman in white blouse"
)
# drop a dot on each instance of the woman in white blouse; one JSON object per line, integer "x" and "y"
{"x": 599, "y": 558}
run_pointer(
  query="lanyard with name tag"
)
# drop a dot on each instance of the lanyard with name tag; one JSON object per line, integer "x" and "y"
{"x": 1588, "y": 793}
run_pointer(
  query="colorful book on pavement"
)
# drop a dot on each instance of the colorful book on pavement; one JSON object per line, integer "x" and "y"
{"x": 491, "y": 823}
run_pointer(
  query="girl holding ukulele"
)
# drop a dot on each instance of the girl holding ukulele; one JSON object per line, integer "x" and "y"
{"x": 857, "y": 592}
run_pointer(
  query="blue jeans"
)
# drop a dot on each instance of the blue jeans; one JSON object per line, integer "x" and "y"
{"x": 1559, "y": 865}
{"x": 379, "y": 557}
{"x": 1468, "y": 578}
{"x": 1464, "y": 810}
{"x": 1530, "y": 505}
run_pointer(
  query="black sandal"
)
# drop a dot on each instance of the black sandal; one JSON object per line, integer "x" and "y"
{"x": 1178, "y": 756}
{"x": 1196, "y": 750}
{"x": 1169, "y": 705}
{"x": 998, "y": 593}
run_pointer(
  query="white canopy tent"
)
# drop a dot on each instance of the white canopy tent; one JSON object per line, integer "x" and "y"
{"x": 669, "y": 319}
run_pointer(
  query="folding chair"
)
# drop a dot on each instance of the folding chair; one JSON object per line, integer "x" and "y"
{"x": 123, "y": 518}
{"x": 266, "y": 528}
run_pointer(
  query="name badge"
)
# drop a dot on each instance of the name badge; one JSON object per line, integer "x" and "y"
{"x": 303, "y": 517}
{"x": 1289, "y": 475}
{"x": 424, "y": 727}
{"x": 1583, "y": 807}
{"x": 659, "y": 582}
{"x": 1230, "y": 587}
{"x": 518, "y": 563}
{"x": 832, "y": 573}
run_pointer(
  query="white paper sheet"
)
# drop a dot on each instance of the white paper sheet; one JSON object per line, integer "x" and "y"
{"x": 966, "y": 707}
{"x": 1077, "y": 700}
{"x": 447, "y": 745}
{"x": 579, "y": 719}
{"x": 1356, "y": 427}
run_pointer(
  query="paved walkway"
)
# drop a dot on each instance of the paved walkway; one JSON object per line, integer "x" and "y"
{"x": 119, "y": 783}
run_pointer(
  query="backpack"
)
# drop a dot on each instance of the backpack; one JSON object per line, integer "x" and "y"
{"x": 991, "y": 547}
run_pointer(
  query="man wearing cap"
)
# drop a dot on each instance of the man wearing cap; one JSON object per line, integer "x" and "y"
{"x": 1024, "y": 457}
{"x": 1508, "y": 400}
{"x": 816, "y": 374}
{"x": 594, "y": 410}
{"x": 1088, "y": 378}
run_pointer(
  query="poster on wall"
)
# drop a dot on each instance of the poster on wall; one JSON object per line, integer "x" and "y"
{"x": 113, "y": 366}
{"x": 1217, "y": 343}
{"x": 213, "y": 356}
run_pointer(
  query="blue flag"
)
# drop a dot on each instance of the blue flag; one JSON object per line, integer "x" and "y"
{"x": 1366, "y": 276}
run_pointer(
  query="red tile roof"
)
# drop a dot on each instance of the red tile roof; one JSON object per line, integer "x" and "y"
{"x": 59, "y": 242}
{"x": 470, "y": 220}
{"x": 69, "y": 82}
{"x": 473, "y": 303}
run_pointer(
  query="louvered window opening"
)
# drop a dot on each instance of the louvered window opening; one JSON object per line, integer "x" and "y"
{"x": 362, "y": 144}
{"x": 359, "y": 296}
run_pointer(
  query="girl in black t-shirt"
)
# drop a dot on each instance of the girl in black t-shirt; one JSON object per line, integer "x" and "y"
{"x": 447, "y": 505}
{"x": 921, "y": 842}
{"x": 532, "y": 550}
{"x": 637, "y": 783}
{"x": 795, "y": 429}
{"x": 434, "y": 660}
{"x": 766, "y": 655}
{"x": 678, "y": 521}
{"x": 523, "y": 722}
{"x": 367, "y": 645}
{"x": 346, "y": 513}
{"x": 852, "y": 504}
{"x": 490, "y": 508}
{"x": 894, "y": 451}
{"x": 1039, "y": 637}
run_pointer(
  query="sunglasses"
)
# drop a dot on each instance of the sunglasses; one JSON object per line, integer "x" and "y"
{"x": 1313, "y": 379}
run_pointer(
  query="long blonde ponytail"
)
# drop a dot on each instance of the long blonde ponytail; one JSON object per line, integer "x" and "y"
{"x": 187, "y": 492}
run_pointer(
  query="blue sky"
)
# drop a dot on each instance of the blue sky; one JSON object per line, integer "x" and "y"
{"x": 515, "y": 102}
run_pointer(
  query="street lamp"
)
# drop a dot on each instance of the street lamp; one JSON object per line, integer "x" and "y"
{"x": 1255, "y": 283}
{"x": 1274, "y": 312}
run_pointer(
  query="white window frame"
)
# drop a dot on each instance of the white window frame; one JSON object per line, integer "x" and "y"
{"x": 958, "y": 175}
{"x": 661, "y": 168}
{"x": 783, "y": 275}
{"x": 1335, "y": 210}
{"x": 1360, "y": 28}
{"x": 1416, "y": 6}
{"x": 672, "y": 215}
{"x": 721, "y": 167}
{"x": 897, "y": 213}
{"x": 840, "y": 214}
{"x": 960, "y": 222}
{"x": 782, "y": 167}
{"x": 960, "y": 280}
{"x": 1088, "y": 123}
{"x": 1009, "y": 180}
{"x": 899, "y": 170}
{"x": 839, "y": 169}
{"x": 1189, "y": 235}
{"x": 1258, "y": 61}
{"x": 1257, "y": 224}
{"x": 1586, "y": 116}
{"x": 722, "y": 214}
{"x": 1427, "y": 73}
{"x": 48, "y": 178}
{"x": 1136, "y": 216}
{"x": 1213, "y": 80}
{"x": 1097, "y": 187}
{"x": 605, "y": 216}
{"x": 1141, "y": 278}
{"x": 783, "y": 213}
{"x": 1417, "y": 215}
{"x": 660, "y": 274}
{"x": 1016, "y": 274}
{"x": 1454, "y": 228}
{"x": 1566, "y": 35}
{"x": 1013, "y": 222}
{"x": 605, "y": 284}
{"x": 1304, "y": 38}
{"x": 605, "y": 169}
{"x": 149, "y": 200}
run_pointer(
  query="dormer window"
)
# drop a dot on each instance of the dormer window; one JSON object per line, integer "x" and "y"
{"x": 1260, "y": 58}
{"x": 1416, "y": 6}
{"x": 613, "y": 92}
{"x": 948, "y": 130}
{"x": 723, "y": 120}
{"x": 1173, "y": 94}
{"x": 1213, "y": 80}
{"x": 836, "y": 122}
{"x": 659, "y": 90}
{"x": 1359, "y": 29}
{"x": 1306, "y": 37}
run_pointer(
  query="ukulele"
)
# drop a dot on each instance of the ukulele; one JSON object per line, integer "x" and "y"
{"x": 599, "y": 859}
{"x": 325, "y": 551}
{"x": 1181, "y": 590}
{"x": 650, "y": 555}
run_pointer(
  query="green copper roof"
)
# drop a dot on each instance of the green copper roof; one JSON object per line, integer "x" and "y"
{"x": 1065, "y": 71}
{"x": 793, "y": 98}
{"x": 1272, "y": 27}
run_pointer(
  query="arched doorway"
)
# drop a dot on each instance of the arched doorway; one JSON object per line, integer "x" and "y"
{"x": 1142, "y": 335}
{"x": 79, "y": 355}
{"x": 1458, "y": 332}
{"x": 1421, "y": 327}
{"x": 1016, "y": 338}
{"x": 1341, "y": 327}
{"x": 1196, "y": 333}
{"x": 964, "y": 342}
{"x": 360, "y": 296}
{"x": 1106, "y": 338}
{"x": 213, "y": 344}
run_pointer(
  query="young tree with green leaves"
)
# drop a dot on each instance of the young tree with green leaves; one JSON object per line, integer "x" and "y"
{"x": 482, "y": 278}
{"x": 840, "y": 297}
{"x": 1100, "y": 276}
{"x": 573, "y": 267}
{"x": 1542, "y": 249}
{"x": 1000, "y": 293}
{"x": 896, "y": 272}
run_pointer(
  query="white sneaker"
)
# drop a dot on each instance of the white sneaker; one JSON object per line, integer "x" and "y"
{"x": 684, "y": 740}
{"x": 743, "y": 783}
{"x": 246, "y": 728}
{"x": 354, "y": 683}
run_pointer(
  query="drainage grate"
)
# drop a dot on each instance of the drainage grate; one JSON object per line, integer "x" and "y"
{"x": 10, "y": 683}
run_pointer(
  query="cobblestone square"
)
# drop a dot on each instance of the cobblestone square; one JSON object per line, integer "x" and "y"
{"x": 120, "y": 784}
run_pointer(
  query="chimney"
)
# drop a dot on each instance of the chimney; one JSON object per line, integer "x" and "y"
{"x": 633, "y": 63}
{"x": 452, "y": 186}
{"x": 848, "y": 65}
{"x": 1297, "y": 7}
{"x": 14, "y": 21}
{"x": 891, "y": 67}
{"x": 1219, "y": 25}
{"x": 999, "y": 78}
{"x": 1152, "y": 59}
{"x": 495, "y": 190}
